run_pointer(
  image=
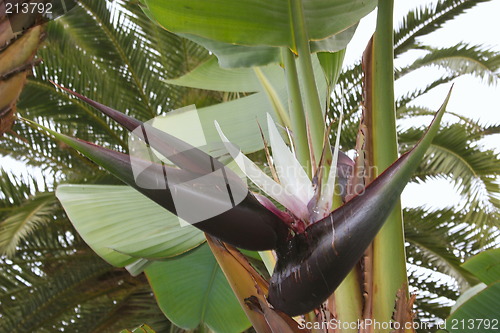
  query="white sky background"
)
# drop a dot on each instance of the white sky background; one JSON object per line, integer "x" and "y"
{"x": 471, "y": 97}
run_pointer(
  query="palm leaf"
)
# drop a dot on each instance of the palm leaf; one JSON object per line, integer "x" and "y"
{"x": 430, "y": 234}
{"x": 23, "y": 219}
{"x": 473, "y": 170}
{"x": 87, "y": 51}
{"x": 476, "y": 129}
{"x": 425, "y": 20}
{"x": 55, "y": 281}
{"x": 460, "y": 59}
{"x": 438, "y": 242}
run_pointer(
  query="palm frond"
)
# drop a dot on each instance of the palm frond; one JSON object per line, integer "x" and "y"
{"x": 473, "y": 169}
{"x": 461, "y": 59}
{"x": 410, "y": 96}
{"x": 122, "y": 65}
{"x": 54, "y": 282}
{"x": 434, "y": 297}
{"x": 438, "y": 242}
{"x": 432, "y": 236}
{"x": 46, "y": 154}
{"x": 26, "y": 205}
{"x": 427, "y": 19}
{"x": 476, "y": 129}
{"x": 133, "y": 307}
{"x": 24, "y": 219}
{"x": 15, "y": 190}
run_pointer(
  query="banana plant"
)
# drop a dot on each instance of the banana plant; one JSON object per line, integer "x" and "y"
{"x": 312, "y": 261}
{"x": 309, "y": 237}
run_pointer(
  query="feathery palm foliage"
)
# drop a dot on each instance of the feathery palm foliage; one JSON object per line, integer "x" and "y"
{"x": 123, "y": 65}
{"x": 54, "y": 281}
{"x": 50, "y": 278}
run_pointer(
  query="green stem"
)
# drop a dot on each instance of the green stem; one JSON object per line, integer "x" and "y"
{"x": 348, "y": 297}
{"x": 389, "y": 261}
{"x": 269, "y": 260}
{"x": 348, "y": 301}
{"x": 313, "y": 112}
{"x": 273, "y": 98}
{"x": 297, "y": 114}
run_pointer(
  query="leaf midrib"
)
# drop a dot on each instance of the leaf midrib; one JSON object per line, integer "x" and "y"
{"x": 206, "y": 297}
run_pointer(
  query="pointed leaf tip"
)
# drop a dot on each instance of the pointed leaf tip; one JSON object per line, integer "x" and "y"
{"x": 246, "y": 224}
{"x": 128, "y": 122}
{"x": 324, "y": 204}
{"x": 290, "y": 172}
{"x": 312, "y": 265}
{"x": 263, "y": 181}
{"x": 179, "y": 152}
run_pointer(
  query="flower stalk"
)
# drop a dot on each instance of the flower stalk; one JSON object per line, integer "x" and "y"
{"x": 313, "y": 113}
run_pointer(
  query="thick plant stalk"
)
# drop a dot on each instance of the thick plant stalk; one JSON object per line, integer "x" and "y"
{"x": 297, "y": 113}
{"x": 312, "y": 265}
{"x": 349, "y": 296}
{"x": 348, "y": 301}
{"x": 388, "y": 260}
{"x": 314, "y": 116}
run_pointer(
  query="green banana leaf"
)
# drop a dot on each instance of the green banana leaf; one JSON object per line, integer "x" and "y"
{"x": 332, "y": 65}
{"x": 256, "y": 22}
{"x": 241, "y": 118}
{"x": 485, "y": 266}
{"x": 191, "y": 290}
{"x": 478, "y": 314}
{"x": 121, "y": 225}
{"x": 243, "y": 130}
{"x": 211, "y": 76}
{"x": 236, "y": 56}
{"x": 476, "y": 311}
